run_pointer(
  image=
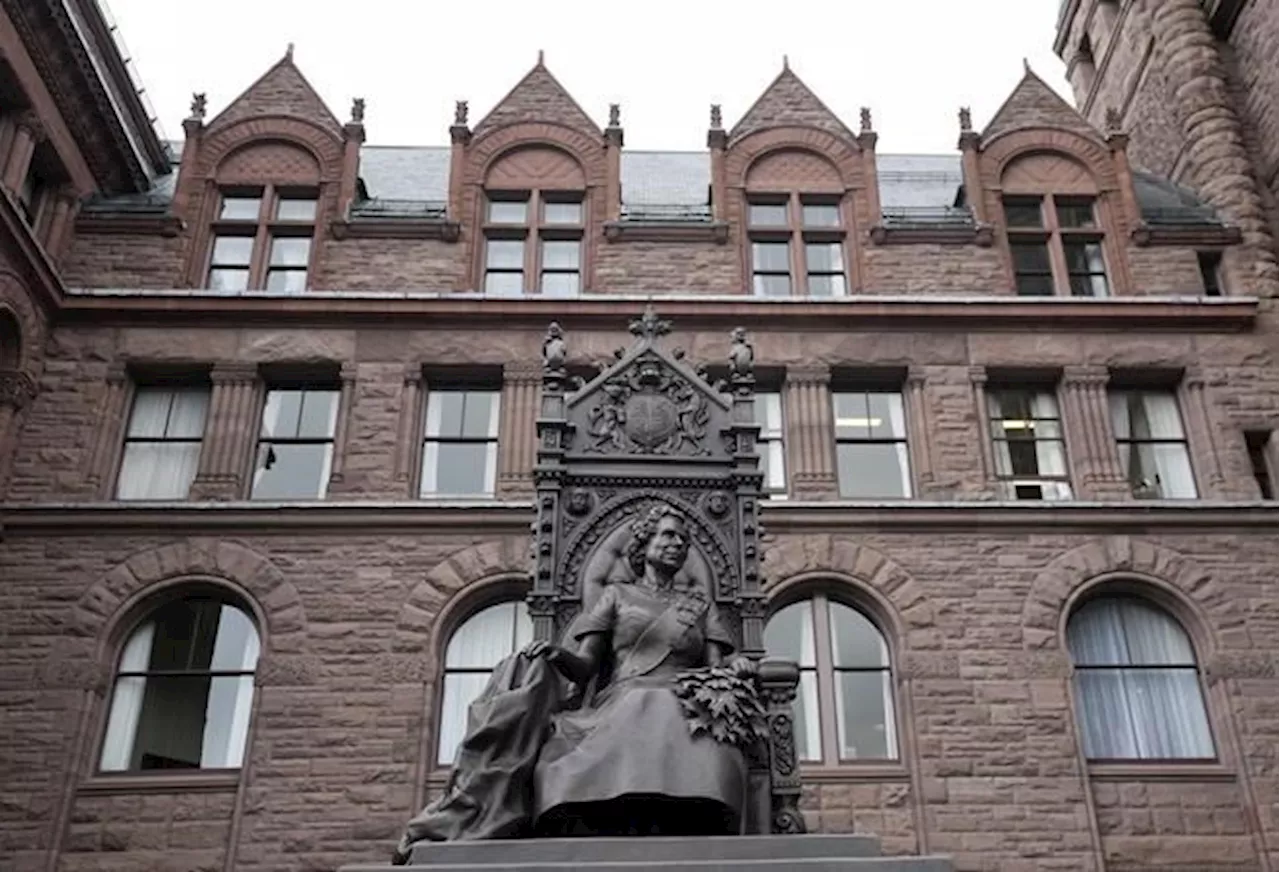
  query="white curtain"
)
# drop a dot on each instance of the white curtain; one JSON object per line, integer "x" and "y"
{"x": 1169, "y": 459}
{"x": 126, "y": 703}
{"x": 1050, "y": 457}
{"x": 155, "y": 468}
{"x": 476, "y": 646}
{"x": 226, "y": 720}
{"x": 1147, "y": 704}
{"x": 898, "y": 421}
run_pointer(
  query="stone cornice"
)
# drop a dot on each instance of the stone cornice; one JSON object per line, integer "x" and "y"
{"x": 1190, "y": 235}
{"x": 1187, "y": 313}
{"x": 511, "y": 517}
{"x": 666, "y": 231}
{"x": 396, "y": 228}
{"x": 980, "y": 235}
{"x": 130, "y": 225}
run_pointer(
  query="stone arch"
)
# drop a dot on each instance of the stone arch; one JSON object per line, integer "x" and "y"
{"x": 1005, "y": 148}
{"x": 109, "y": 603}
{"x": 793, "y": 169}
{"x": 1047, "y": 172}
{"x": 16, "y": 305}
{"x": 1175, "y": 581}
{"x": 744, "y": 153}
{"x": 263, "y": 161}
{"x": 535, "y": 166}
{"x": 321, "y": 143}
{"x": 494, "y": 146}
{"x": 450, "y": 584}
{"x": 801, "y": 559}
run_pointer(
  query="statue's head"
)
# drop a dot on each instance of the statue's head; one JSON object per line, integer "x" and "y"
{"x": 660, "y": 538}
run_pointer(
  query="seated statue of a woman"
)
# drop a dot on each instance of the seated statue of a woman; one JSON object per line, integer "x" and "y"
{"x": 623, "y": 763}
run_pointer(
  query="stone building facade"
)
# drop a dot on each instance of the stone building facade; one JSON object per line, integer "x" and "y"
{"x": 1019, "y": 415}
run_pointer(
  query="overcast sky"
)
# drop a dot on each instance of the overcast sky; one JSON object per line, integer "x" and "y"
{"x": 914, "y": 62}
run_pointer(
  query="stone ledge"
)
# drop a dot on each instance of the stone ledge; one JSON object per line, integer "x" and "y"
{"x": 106, "y": 784}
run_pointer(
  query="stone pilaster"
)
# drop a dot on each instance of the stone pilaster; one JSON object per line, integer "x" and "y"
{"x": 409, "y": 427}
{"x": 810, "y": 443}
{"x": 17, "y": 390}
{"x": 517, "y": 431}
{"x": 28, "y": 131}
{"x": 978, "y": 386}
{"x": 347, "y": 380}
{"x": 1092, "y": 454}
{"x": 108, "y": 431}
{"x": 918, "y": 441}
{"x": 230, "y": 433}
{"x": 1201, "y": 445}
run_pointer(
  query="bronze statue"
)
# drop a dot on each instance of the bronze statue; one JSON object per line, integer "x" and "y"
{"x": 645, "y": 752}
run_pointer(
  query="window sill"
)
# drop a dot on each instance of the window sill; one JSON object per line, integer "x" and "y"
{"x": 106, "y": 784}
{"x": 818, "y": 773}
{"x": 1165, "y": 770}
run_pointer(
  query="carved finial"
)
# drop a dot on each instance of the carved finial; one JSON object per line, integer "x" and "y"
{"x": 864, "y": 119}
{"x": 1112, "y": 121}
{"x": 649, "y": 325}
{"x": 357, "y": 110}
{"x": 1026, "y": 65}
{"x": 541, "y": 57}
{"x": 966, "y": 120}
{"x": 553, "y": 349}
{"x": 288, "y": 52}
{"x": 460, "y": 112}
{"x": 741, "y": 354}
{"x": 786, "y": 63}
{"x": 199, "y": 103}
{"x": 717, "y": 121}
{"x": 615, "y": 114}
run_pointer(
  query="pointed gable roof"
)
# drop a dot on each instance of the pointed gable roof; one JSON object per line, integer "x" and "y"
{"x": 538, "y": 96}
{"x": 788, "y": 100}
{"x": 281, "y": 90}
{"x": 1034, "y": 104}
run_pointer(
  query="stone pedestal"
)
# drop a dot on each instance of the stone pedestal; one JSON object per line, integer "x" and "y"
{"x": 798, "y": 853}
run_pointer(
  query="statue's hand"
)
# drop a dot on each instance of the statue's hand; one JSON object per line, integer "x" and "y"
{"x": 538, "y": 649}
{"x": 743, "y": 667}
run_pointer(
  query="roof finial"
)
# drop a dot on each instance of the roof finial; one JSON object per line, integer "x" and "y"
{"x": 966, "y": 120}
{"x": 717, "y": 122}
{"x": 460, "y": 113}
{"x": 1026, "y": 65}
{"x": 198, "y": 105}
{"x": 1112, "y": 120}
{"x": 541, "y": 57}
{"x": 615, "y": 114}
{"x": 288, "y": 52}
{"x": 864, "y": 119}
{"x": 786, "y": 63}
{"x": 357, "y": 110}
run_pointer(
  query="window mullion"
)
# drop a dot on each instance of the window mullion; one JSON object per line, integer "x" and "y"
{"x": 795, "y": 220}
{"x": 1057, "y": 253}
{"x": 533, "y": 244}
{"x": 825, "y": 671}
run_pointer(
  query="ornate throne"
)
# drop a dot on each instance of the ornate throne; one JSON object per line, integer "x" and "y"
{"x": 647, "y": 429}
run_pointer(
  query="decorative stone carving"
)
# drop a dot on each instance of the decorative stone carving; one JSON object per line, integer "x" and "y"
{"x": 16, "y": 388}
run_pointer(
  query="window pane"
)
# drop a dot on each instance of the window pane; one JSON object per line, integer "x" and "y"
{"x": 232, "y": 250}
{"x": 821, "y": 215}
{"x": 459, "y": 469}
{"x": 771, "y": 285}
{"x": 562, "y": 213}
{"x": 864, "y": 708}
{"x": 852, "y": 417}
{"x": 480, "y": 414}
{"x": 560, "y": 254}
{"x": 771, "y": 257}
{"x": 1142, "y": 714}
{"x": 505, "y": 283}
{"x": 319, "y": 412}
{"x": 873, "y": 469}
{"x": 1023, "y": 212}
{"x": 1074, "y": 212}
{"x": 290, "y": 251}
{"x": 768, "y": 413}
{"x": 149, "y": 418}
{"x": 886, "y": 419}
{"x": 187, "y": 413}
{"x": 240, "y": 208}
{"x": 459, "y": 690}
{"x": 281, "y": 412}
{"x": 235, "y": 644}
{"x": 291, "y": 471}
{"x": 855, "y": 641}
{"x": 170, "y": 729}
{"x": 789, "y": 633}
{"x": 560, "y": 284}
{"x": 824, "y": 257}
{"x": 444, "y": 413}
{"x": 1030, "y": 257}
{"x": 157, "y": 470}
{"x": 484, "y": 638}
{"x": 827, "y": 286}
{"x": 774, "y": 466}
{"x": 222, "y": 279}
{"x": 1089, "y": 286}
{"x": 287, "y": 281}
{"x": 504, "y": 254}
{"x": 1035, "y": 285}
{"x": 508, "y": 211}
{"x": 768, "y": 214}
{"x": 296, "y": 209}
{"x": 805, "y": 713}
{"x": 1084, "y": 257}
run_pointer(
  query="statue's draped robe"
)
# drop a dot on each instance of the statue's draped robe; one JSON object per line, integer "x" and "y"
{"x": 522, "y": 758}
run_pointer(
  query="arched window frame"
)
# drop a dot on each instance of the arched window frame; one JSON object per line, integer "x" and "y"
{"x": 489, "y": 594}
{"x": 1156, "y": 595}
{"x": 821, "y": 591}
{"x": 131, "y": 622}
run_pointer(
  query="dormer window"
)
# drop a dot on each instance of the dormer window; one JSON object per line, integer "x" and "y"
{"x": 797, "y": 246}
{"x": 533, "y": 242}
{"x": 1056, "y": 245}
{"x": 262, "y": 239}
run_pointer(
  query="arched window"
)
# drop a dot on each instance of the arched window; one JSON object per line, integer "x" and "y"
{"x": 844, "y": 709}
{"x": 474, "y": 649}
{"x": 1137, "y": 685}
{"x": 183, "y": 689}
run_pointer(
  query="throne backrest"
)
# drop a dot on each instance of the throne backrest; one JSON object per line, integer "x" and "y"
{"x": 647, "y": 429}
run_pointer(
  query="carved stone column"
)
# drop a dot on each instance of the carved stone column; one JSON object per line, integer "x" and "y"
{"x": 978, "y": 385}
{"x": 346, "y": 399}
{"x": 17, "y": 390}
{"x": 108, "y": 430}
{"x": 57, "y": 231}
{"x": 409, "y": 427}
{"x": 517, "y": 431}
{"x": 919, "y": 441}
{"x": 230, "y": 433}
{"x": 810, "y": 432}
{"x": 1202, "y": 447}
{"x": 1092, "y": 455}
{"x": 28, "y": 131}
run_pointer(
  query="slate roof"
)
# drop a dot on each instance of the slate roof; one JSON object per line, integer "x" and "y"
{"x": 413, "y": 181}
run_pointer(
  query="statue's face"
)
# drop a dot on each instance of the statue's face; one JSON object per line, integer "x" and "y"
{"x": 669, "y": 546}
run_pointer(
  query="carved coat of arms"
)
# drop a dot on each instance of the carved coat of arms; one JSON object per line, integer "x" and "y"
{"x": 649, "y": 409}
